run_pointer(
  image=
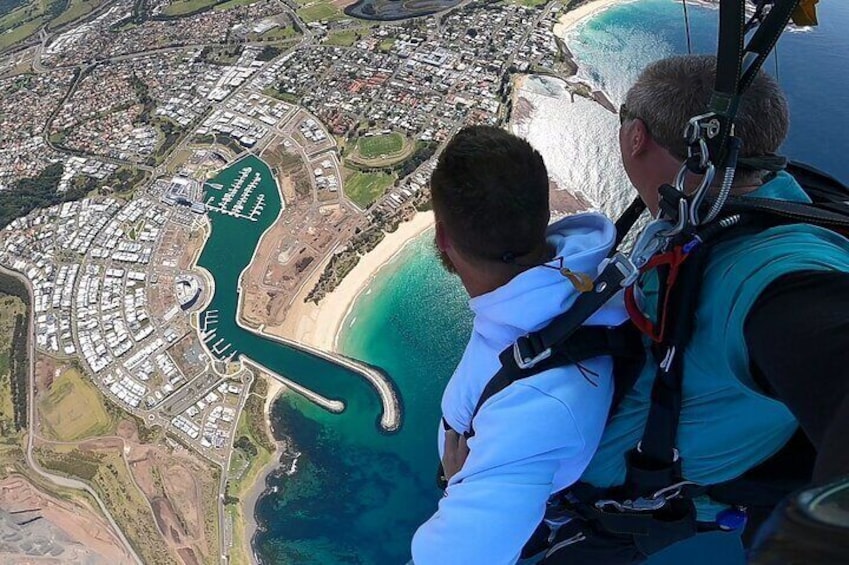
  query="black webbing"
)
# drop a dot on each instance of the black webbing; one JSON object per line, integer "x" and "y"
{"x": 782, "y": 211}
{"x": 732, "y": 79}
{"x": 626, "y": 221}
{"x": 605, "y": 286}
{"x": 660, "y": 434}
{"x": 765, "y": 38}
{"x": 587, "y": 342}
{"x": 729, "y": 66}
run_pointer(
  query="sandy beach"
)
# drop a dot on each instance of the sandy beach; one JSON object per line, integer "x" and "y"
{"x": 571, "y": 18}
{"x": 319, "y": 325}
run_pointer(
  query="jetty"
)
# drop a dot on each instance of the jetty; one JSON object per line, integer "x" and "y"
{"x": 390, "y": 420}
{"x": 335, "y": 406}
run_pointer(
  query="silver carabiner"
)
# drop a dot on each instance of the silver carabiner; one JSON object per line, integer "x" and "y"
{"x": 651, "y": 240}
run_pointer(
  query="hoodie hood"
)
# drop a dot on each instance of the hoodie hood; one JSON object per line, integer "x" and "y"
{"x": 527, "y": 303}
{"x": 531, "y": 299}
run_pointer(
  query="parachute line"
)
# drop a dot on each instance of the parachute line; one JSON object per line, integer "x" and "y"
{"x": 687, "y": 27}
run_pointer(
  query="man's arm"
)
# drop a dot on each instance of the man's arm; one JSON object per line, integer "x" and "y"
{"x": 494, "y": 503}
{"x": 797, "y": 334}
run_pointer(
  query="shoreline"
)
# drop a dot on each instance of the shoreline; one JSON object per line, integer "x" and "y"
{"x": 319, "y": 325}
{"x": 276, "y": 389}
{"x": 571, "y": 18}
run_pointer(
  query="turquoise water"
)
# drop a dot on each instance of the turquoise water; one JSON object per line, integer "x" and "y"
{"x": 227, "y": 252}
{"x": 359, "y": 494}
{"x": 353, "y": 477}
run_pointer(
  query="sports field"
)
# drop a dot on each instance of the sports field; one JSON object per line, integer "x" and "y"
{"x": 73, "y": 409}
{"x": 365, "y": 188}
{"x": 320, "y": 10}
{"x": 379, "y": 145}
{"x": 342, "y": 38}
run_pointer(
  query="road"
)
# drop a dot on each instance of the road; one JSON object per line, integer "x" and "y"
{"x": 64, "y": 482}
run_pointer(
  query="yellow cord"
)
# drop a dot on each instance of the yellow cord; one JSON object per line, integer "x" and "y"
{"x": 581, "y": 281}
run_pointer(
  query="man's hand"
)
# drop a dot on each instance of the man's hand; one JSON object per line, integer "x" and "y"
{"x": 454, "y": 454}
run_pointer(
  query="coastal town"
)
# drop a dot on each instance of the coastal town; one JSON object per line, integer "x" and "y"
{"x": 136, "y": 137}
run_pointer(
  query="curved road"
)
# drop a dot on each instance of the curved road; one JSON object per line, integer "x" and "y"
{"x": 56, "y": 479}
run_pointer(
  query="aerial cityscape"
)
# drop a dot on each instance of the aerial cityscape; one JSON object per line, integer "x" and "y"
{"x": 192, "y": 195}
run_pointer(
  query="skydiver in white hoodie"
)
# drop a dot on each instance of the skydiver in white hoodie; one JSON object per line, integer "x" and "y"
{"x": 490, "y": 194}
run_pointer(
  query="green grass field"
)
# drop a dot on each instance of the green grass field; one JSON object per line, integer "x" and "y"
{"x": 365, "y": 188}
{"x": 23, "y": 19}
{"x": 76, "y": 10}
{"x": 20, "y": 33}
{"x": 379, "y": 145}
{"x": 320, "y": 10}
{"x": 342, "y": 38}
{"x": 10, "y": 308}
{"x": 232, "y": 4}
{"x": 73, "y": 409}
{"x": 530, "y": 3}
{"x": 186, "y": 7}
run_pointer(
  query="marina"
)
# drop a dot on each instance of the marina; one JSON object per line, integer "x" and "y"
{"x": 238, "y": 196}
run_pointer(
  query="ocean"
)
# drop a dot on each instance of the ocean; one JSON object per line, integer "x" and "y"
{"x": 358, "y": 493}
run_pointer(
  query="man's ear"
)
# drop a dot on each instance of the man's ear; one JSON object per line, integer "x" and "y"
{"x": 638, "y": 138}
{"x": 443, "y": 241}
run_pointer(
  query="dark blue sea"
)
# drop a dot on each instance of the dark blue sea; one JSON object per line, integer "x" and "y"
{"x": 359, "y": 494}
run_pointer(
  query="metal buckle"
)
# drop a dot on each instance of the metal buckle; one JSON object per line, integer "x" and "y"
{"x": 629, "y": 270}
{"x": 646, "y": 503}
{"x": 676, "y": 455}
{"x": 641, "y": 504}
{"x": 651, "y": 240}
{"x": 526, "y": 363}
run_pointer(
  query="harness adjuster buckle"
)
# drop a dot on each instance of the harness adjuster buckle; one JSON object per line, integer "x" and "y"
{"x": 523, "y": 353}
{"x": 630, "y": 272}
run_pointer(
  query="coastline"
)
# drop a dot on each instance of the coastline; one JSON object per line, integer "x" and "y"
{"x": 276, "y": 389}
{"x": 319, "y": 325}
{"x": 573, "y": 17}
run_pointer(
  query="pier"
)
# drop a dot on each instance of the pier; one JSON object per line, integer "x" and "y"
{"x": 216, "y": 325}
{"x": 335, "y": 406}
{"x": 240, "y": 193}
{"x": 390, "y": 420}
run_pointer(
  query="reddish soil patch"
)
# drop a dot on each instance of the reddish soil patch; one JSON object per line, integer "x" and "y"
{"x": 45, "y": 372}
{"x": 182, "y": 490}
{"x": 170, "y": 485}
{"x": 188, "y": 556}
{"x": 167, "y": 520}
{"x": 522, "y": 111}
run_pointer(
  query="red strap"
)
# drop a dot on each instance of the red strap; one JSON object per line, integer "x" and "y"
{"x": 656, "y": 332}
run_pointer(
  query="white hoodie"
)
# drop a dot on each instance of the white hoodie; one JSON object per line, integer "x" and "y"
{"x": 533, "y": 438}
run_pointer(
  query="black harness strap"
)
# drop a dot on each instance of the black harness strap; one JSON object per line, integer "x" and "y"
{"x": 732, "y": 79}
{"x": 655, "y": 464}
{"x": 536, "y": 346}
{"x": 626, "y": 221}
{"x": 785, "y": 212}
{"x": 587, "y": 342}
{"x": 624, "y": 343}
{"x": 765, "y": 38}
